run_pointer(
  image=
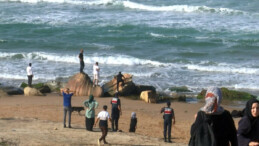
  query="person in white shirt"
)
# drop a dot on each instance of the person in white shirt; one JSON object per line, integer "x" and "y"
{"x": 96, "y": 70}
{"x": 29, "y": 74}
{"x": 103, "y": 116}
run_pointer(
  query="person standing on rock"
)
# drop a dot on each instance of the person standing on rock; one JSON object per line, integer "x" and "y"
{"x": 119, "y": 78}
{"x": 81, "y": 59}
{"x": 29, "y": 74}
{"x": 168, "y": 116}
{"x": 96, "y": 70}
{"x": 91, "y": 105}
{"x": 116, "y": 111}
{"x": 103, "y": 116}
{"x": 67, "y": 95}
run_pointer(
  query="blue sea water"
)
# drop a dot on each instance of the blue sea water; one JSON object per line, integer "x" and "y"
{"x": 163, "y": 43}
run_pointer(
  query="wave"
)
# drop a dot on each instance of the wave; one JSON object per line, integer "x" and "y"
{"x": 112, "y": 60}
{"x": 224, "y": 69}
{"x": 134, "y": 5}
{"x": 24, "y": 77}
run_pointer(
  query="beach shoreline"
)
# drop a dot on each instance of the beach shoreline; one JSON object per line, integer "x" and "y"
{"x": 49, "y": 108}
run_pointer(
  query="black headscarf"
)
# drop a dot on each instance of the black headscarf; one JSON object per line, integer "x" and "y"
{"x": 91, "y": 98}
{"x": 248, "y": 109}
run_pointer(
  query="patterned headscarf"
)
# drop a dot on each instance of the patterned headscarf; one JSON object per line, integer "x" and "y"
{"x": 133, "y": 115}
{"x": 213, "y": 99}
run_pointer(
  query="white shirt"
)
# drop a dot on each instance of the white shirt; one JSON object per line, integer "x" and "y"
{"x": 103, "y": 115}
{"x": 29, "y": 71}
{"x": 96, "y": 69}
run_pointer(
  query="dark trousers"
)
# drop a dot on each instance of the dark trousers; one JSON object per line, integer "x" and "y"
{"x": 104, "y": 130}
{"x": 29, "y": 80}
{"x": 115, "y": 120}
{"x": 118, "y": 83}
{"x": 82, "y": 66}
{"x": 167, "y": 128}
{"x": 69, "y": 110}
{"x": 89, "y": 123}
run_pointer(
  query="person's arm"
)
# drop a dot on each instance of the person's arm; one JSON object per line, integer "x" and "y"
{"x": 96, "y": 121}
{"x": 162, "y": 110}
{"x": 173, "y": 117}
{"x": 196, "y": 123}
{"x": 119, "y": 106}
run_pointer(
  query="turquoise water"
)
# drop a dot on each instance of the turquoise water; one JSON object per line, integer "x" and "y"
{"x": 162, "y": 43}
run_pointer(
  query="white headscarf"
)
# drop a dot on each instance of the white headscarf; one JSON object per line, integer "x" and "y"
{"x": 213, "y": 99}
{"x": 133, "y": 115}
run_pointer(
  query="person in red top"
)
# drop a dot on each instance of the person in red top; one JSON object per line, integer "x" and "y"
{"x": 116, "y": 111}
{"x": 168, "y": 116}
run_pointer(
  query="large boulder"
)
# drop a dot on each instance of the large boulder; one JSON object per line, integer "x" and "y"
{"x": 140, "y": 88}
{"x": 148, "y": 96}
{"x": 129, "y": 87}
{"x": 82, "y": 85}
{"x": 39, "y": 86}
{"x": 28, "y": 91}
{"x": 3, "y": 93}
{"x": 10, "y": 90}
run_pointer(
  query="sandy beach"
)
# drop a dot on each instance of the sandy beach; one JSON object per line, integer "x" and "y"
{"x": 37, "y": 120}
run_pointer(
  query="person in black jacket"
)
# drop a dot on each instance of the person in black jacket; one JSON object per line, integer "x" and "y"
{"x": 248, "y": 126}
{"x": 133, "y": 122}
{"x": 223, "y": 125}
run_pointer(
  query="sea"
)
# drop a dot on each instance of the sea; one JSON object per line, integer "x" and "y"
{"x": 162, "y": 43}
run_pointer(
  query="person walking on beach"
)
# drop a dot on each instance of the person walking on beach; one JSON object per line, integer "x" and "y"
{"x": 248, "y": 126}
{"x": 116, "y": 111}
{"x": 81, "y": 59}
{"x": 96, "y": 70}
{"x": 120, "y": 79}
{"x": 67, "y": 95}
{"x": 215, "y": 121}
{"x": 29, "y": 74}
{"x": 133, "y": 122}
{"x": 168, "y": 117}
{"x": 103, "y": 116}
{"x": 91, "y": 105}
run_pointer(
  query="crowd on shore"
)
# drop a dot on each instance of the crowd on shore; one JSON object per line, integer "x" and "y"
{"x": 213, "y": 124}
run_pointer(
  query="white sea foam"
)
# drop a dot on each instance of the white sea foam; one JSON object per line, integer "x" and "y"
{"x": 24, "y": 77}
{"x": 224, "y": 69}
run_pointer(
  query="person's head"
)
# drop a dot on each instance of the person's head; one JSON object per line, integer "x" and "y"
{"x": 91, "y": 98}
{"x": 116, "y": 95}
{"x": 168, "y": 103}
{"x": 252, "y": 108}
{"x": 133, "y": 115}
{"x": 29, "y": 64}
{"x": 81, "y": 50}
{"x": 213, "y": 99}
{"x": 119, "y": 72}
{"x": 105, "y": 107}
{"x": 96, "y": 63}
{"x": 67, "y": 90}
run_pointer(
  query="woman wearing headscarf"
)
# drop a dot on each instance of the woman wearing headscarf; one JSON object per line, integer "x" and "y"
{"x": 133, "y": 122}
{"x": 222, "y": 124}
{"x": 91, "y": 105}
{"x": 248, "y": 126}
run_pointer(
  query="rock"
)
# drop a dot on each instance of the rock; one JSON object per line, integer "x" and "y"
{"x": 148, "y": 96}
{"x": 3, "y": 93}
{"x": 180, "y": 89}
{"x": 40, "y": 86}
{"x": 10, "y": 90}
{"x": 57, "y": 84}
{"x": 28, "y": 91}
{"x": 230, "y": 94}
{"x": 129, "y": 87}
{"x": 140, "y": 88}
{"x": 82, "y": 85}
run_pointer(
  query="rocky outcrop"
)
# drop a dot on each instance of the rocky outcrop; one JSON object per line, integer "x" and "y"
{"x": 129, "y": 87}
{"x": 140, "y": 88}
{"x": 82, "y": 85}
{"x": 148, "y": 96}
{"x": 10, "y": 90}
{"x": 39, "y": 86}
{"x": 3, "y": 93}
{"x": 28, "y": 91}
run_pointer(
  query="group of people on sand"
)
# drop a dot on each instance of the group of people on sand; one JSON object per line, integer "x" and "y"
{"x": 214, "y": 125}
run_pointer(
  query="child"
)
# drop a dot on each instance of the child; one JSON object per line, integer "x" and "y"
{"x": 133, "y": 122}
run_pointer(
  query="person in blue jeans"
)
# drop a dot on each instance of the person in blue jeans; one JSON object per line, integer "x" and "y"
{"x": 168, "y": 116}
{"x": 67, "y": 95}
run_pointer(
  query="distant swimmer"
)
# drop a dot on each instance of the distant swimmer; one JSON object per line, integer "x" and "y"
{"x": 81, "y": 59}
{"x": 29, "y": 74}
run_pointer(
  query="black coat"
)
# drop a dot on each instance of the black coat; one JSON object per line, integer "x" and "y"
{"x": 223, "y": 127}
{"x": 247, "y": 131}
